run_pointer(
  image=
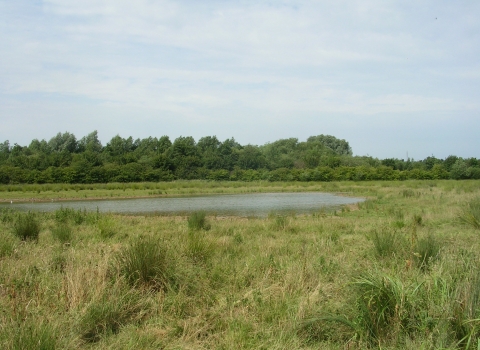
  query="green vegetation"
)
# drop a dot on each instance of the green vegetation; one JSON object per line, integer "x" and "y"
{"x": 471, "y": 213}
{"x": 65, "y": 160}
{"x": 398, "y": 271}
{"x": 198, "y": 221}
{"x": 144, "y": 263}
{"x": 26, "y": 226}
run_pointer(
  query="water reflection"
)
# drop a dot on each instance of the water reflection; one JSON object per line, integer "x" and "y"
{"x": 258, "y": 204}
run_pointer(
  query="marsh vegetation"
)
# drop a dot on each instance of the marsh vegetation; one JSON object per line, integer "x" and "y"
{"x": 398, "y": 271}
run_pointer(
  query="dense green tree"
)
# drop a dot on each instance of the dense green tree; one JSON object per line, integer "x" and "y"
{"x": 281, "y": 153}
{"x": 63, "y": 142}
{"x": 459, "y": 169}
{"x": 4, "y": 151}
{"x": 164, "y": 144}
{"x": 250, "y": 157}
{"x": 340, "y": 147}
{"x": 90, "y": 143}
{"x": 449, "y": 161}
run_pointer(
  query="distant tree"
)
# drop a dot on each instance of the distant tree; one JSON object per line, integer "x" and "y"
{"x": 340, "y": 147}
{"x": 164, "y": 144}
{"x": 4, "y": 151}
{"x": 90, "y": 143}
{"x": 118, "y": 148}
{"x": 390, "y": 162}
{"x": 282, "y": 153}
{"x": 250, "y": 157}
{"x": 449, "y": 161}
{"x": 429, "y": 162}
{"x": 458, "y": 170}
{"x": 63, "y": 142}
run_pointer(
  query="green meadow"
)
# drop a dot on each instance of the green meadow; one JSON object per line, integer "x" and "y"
{"x": 398, "y": 271}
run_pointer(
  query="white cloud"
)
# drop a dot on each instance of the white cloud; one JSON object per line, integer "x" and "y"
{"x": 208, "y": 62}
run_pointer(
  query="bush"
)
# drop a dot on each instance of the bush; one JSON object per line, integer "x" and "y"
{"x": 144, "y": 262}
{"x": 26, "y": 227}
{"x": 198, "y": 221}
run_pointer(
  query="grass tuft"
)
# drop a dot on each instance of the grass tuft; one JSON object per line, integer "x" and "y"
{"x": 381, "y": 303}
{"x": 62, "y": 233}
{"x": 106, "y": 315}
{"x": 144, "y": 263}
{"x": 198, "y": 221}
{"x": 26, "y": 226}
{"x": 385, "y": 243}
{"x": 470, "y": 214}
{"x": 426, "y": 251}
{"x": 29, "y": 335}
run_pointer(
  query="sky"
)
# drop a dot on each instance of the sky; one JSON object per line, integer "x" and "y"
{"x": 396, "y": 79}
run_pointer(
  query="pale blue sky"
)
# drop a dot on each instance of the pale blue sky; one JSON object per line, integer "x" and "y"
{"x": 390, "y": 77}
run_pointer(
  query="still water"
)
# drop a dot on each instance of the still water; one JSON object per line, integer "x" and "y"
{"x": 258, "y": 204}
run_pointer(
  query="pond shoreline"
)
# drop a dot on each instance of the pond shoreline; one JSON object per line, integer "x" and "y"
{"x": 176, "y": 195}
{"x": 236, "y": 204}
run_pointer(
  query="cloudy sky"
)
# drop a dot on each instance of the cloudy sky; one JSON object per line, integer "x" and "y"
{"x": 390, "y": 77}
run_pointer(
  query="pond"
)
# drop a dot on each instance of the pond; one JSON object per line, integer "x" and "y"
{"x": 257, "y": 204}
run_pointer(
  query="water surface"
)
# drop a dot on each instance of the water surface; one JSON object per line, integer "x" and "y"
{"x": 256, "y": 204}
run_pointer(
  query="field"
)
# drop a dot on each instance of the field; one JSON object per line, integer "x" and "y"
{"x": 398, "y": 271}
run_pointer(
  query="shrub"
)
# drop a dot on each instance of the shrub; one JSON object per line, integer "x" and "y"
{"x": 26, "y": 227}
{"x": 198, "y": 221}
{"x": 144, "y": 262}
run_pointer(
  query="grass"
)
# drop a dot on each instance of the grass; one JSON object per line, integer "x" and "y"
{"x": 145, "y": 263}
{"x": 62, "y": 232}
{"x": 399, "y": 271}
{"x": 26, "y": 226}
{"x": 470, "y": 214}
{"x": 198, "y": 221}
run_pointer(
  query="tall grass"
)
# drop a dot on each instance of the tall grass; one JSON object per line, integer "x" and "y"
{"x": 383, "y": 306}
{"x": 470, "y": 214}
{"x": 426, "y": 251}
{"x": 7, "y": 244}
{"x": 345, "y": 281}
{"x": 144, "y": 262}
{"x": 26, "y": 226}
{"x": 62, "y": 232}
{"x": 198, "y": 221}
{"x": 106, "y": 315}
{"x": 386, "y": 242}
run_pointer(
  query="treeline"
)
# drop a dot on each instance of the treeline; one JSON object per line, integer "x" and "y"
{"x": 64, "y": 159}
